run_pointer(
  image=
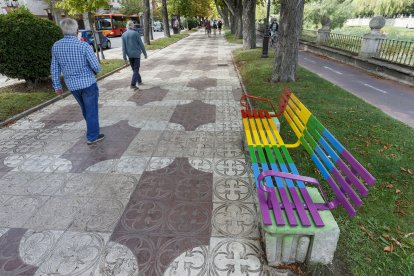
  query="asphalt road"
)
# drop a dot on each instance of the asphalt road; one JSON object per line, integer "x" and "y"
{"x": 395, "y": 99}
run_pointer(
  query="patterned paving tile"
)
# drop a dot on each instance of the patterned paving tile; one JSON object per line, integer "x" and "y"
{"x": 202, "y": 83}
{"x": 117, "y": 139}
{"x": 233, "y": 189}
{"x": 16, "y": 210}
{"x": 194, "y": 114}
{"x": 148, "y": 95}
{"x": 10, "y": 260}
{"x": 75, "y": 254}
{"x": 66, "y": 114}
{"x": 235, "y": 257}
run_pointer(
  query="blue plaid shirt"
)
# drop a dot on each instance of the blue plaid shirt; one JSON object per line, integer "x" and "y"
{"x": 76, "y": 60}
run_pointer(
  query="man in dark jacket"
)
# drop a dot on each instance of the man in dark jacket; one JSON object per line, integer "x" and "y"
{"x": 132, "y": 47}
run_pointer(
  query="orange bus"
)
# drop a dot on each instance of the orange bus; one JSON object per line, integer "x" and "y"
{"x": 111, "y": 24}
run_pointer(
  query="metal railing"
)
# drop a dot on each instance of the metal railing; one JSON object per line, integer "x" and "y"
{"x": 396, "y": 51}
{"x": 309, "y": 35}
{"x": 350, "y": 43}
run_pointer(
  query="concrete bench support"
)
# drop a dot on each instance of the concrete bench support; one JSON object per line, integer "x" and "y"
{"x": 286, "y": 244}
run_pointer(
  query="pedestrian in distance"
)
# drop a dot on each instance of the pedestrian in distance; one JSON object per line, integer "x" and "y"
{"x": 220, "y": 26}
{"x": 132, "y": 47}
{"x": 77, "y": 62}
{"x": 208, "y": 27}
{"x": 214, "y": 27}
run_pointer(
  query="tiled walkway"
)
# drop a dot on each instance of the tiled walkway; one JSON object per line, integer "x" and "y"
{"x": 166, "y": 193}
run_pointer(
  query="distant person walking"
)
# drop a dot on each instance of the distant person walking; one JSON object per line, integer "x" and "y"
{"x": 79, "y": 66}
{"x": 208, "y": 27}
{"x": 132, "y": 47}
{"x": 220, "y": 26}
{"x": 214, "y": 27}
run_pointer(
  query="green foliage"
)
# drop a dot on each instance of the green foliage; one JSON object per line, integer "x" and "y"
{"x": 338, "y": 11}
{"x": 192, "y": 23}
{"x": 192, "y": 8}
{"x": 131, "y": 7}
{"x": 25, "y": 45}
{"x": 383, "y": 7}
{"x": 74, "y": 7}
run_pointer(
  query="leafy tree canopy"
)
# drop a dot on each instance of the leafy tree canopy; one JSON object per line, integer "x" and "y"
{"x": 74, "y": 7}
{"x": 383, "y": 7}
{"x": 131, "y": 7}
{"x": 338, "y": 11}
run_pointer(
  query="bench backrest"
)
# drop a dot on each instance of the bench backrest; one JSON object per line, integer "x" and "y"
{"x": 345, "y": 175}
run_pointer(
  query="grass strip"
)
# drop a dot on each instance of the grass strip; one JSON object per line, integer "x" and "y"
{"x": 231, "y": 38}
{"x": 167, "y": 41}
{"x": 16, "y": 98}
{"x": 378, "y": 240}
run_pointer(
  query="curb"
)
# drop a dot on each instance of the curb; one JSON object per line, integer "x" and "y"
{"x": 51, "y": 101}
{"x": 244, "y": 90}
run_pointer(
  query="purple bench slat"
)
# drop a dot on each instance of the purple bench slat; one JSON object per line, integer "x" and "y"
{"x": 303, "y": 216}
{"x": 264, "y": 207}
{"x": 358, "y": 167}
{"x": 288, "y": 207}
{"x": 277, "y": 211}
{"x": 312, "y": 208}
{"x": 341, "y": 197}
{"x": 363, "y": 191}
{"x": 347, "y": 188}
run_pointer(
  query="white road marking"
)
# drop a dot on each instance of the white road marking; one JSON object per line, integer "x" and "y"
{"x": 312, "y": 61}
{"x": 373, "y": 87}
{"x": 333, "y": 70}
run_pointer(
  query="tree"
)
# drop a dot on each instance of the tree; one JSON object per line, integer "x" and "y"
{"x": 131, "y": 7}
{"x": 147, "y": 22}
{"x": 223, "y": 10}
{"x": 30, "y": 59}
{"x": 383, "y": 7}
{"x": 236, "y": 10}
{"x": 338, "y": 11}
{"x": 290, "y": 27}
{"x": 76, "y": 7}
{"x": 165, "y": 20}
{"x": 249, "y": 24}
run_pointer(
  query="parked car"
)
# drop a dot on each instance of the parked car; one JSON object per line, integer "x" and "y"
{"x": 87, "y": 36}
{"x": 158, "y": 26}
{"x": 139, "y": 29}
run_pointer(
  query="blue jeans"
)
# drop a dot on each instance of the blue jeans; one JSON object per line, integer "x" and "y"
{"x": 88, "y": 101}
{"x": 135, "y": 64}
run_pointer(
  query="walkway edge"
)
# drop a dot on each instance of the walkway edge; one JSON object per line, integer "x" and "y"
{"x": 51, "y": 101}
{"x": 244, "y": 90}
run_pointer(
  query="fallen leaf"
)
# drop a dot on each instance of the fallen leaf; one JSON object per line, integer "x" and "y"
{"x": 389, "y": 248}
{"x": 409, "y": 234}
{"x": 386, "y": 236}
{"x": 402, "y": 169}
{"x": 398, "y": 191}
{"x": 390, "y": 186}
{"x": 409, "y": 171}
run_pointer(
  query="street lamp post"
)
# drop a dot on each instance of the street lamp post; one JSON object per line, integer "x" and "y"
{"x": 265, "y": 48}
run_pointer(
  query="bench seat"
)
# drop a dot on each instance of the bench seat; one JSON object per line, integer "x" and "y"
{"x": 282, "y": 191}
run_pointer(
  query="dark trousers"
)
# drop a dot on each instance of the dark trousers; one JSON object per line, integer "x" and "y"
{"x": 135, "y": 64}
{"x": 88, "y": 101}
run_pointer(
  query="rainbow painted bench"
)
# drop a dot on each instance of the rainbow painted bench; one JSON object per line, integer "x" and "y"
{"x": 286, "y": 198}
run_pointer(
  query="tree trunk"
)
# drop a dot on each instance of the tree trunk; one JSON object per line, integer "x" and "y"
{"x": 165, "y": 19}
{"x": 91, "y": 23}
{"x": 226, "y": 17}
{"x": 287, "y": 45}
{"x": 249, "y": 24}
{"x": 147, "y": 23}
{"x": 236, "y": 10}
{"x": 239, "y": 23}
{"x": 232, "y": 23}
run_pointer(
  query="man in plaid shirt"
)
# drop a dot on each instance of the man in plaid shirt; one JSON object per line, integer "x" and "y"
{"x": 79, "y": 66}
